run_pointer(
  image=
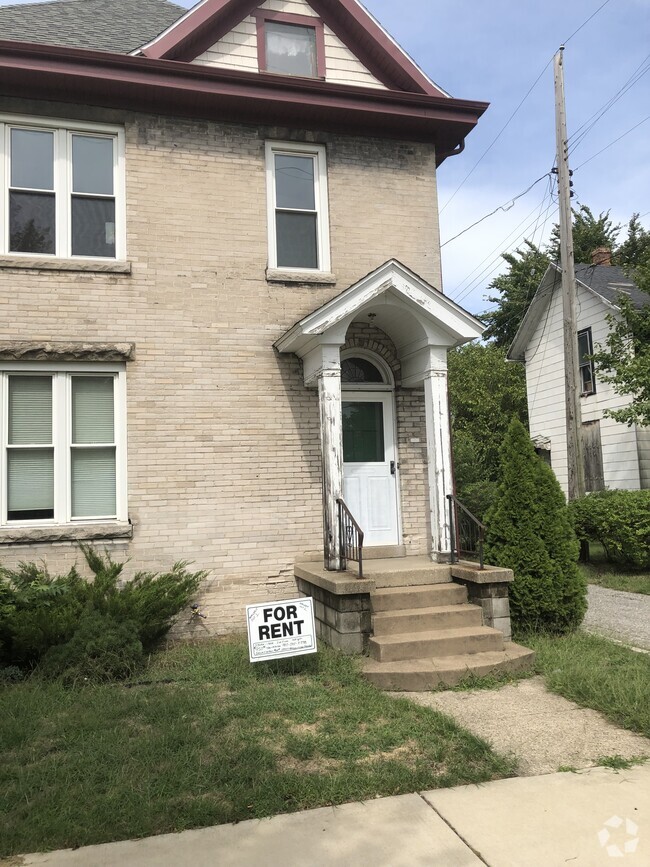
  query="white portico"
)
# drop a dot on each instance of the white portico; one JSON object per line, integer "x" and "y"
{"x": 357, "y": 409}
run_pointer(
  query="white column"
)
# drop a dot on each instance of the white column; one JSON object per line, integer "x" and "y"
{"x": 439, "y": 454}
{"x": 331, "y": 437}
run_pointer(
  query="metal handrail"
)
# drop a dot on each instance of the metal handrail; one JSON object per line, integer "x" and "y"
{"x": 471, "y": 531}
{"x": 351, "y": 538}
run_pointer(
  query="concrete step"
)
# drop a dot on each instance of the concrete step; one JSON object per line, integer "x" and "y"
{"x": 426, "y": 619}
{"x": 406, "y": 572}
{"x": 435, "y": 643}
{"x": 399, "y": 598}
{"x": 419, "y": 675}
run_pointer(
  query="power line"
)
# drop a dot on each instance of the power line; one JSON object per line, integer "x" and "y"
{"x": 602, "y": 150}
{"x": 584, "y": 23}
{"x": 577, "y": 137}
{"x": 505, "y": 207}
{"x": 496, "y": 139}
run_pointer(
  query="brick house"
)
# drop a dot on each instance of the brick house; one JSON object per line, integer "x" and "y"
{"x": 221, "y": 289}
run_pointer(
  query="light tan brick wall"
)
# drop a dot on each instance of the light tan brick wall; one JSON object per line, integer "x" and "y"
{"x": 223, "y": 440}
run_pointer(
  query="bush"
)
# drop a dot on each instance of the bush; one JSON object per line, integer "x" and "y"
{"x": 39, "y": 613}
{"x": 620, "y": 521}
{"x": 100, "y": 650}
{"x": 528, "y": 531}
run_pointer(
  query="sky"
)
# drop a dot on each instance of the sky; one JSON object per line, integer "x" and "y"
{"x": 493, "y": 51}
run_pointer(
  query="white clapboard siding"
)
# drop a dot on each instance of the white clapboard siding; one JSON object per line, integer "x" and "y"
{"x": 238, "y": 49}
{"x": 545, "y": 385}
{"x": 643, "y": 445}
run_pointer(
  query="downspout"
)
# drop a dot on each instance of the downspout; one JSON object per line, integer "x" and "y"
{"x": 452, "y": 153}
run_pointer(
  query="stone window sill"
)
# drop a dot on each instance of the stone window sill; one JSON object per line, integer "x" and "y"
{"x": 323, "y": 278}
{"x": 65, "y": 533}
{"x": 88, "y": 266}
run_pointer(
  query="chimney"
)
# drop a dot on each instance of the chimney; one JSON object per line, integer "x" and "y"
{"x": 602, "y": 256}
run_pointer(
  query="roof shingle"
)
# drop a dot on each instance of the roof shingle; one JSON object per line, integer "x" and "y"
{"x": 119, "y": 26}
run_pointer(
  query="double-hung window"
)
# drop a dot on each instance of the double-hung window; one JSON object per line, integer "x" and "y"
{"x": 587, "y": 372}
{"x": 63, "y": 444}
{"x": 298, "y": 207}
{"x": 63, "y": 190}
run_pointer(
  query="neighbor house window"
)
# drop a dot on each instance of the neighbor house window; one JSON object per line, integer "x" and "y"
{"x": 63, "y": 190}
{"x": 298, "y": 211}
{"x": 290, "y": 44}
{"x": 585, "y": 350}
{"x": 63, "y": 444}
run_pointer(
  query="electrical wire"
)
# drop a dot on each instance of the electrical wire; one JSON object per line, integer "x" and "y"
{"x": 577, "y": 137}
{"x": 584, "y": 23}
{"x": 602, "y": 150}
{"x": 505, "y": 208}
{"x": 495, "y": 256}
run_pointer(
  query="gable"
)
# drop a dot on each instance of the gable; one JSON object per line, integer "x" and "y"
{"x": 359, "y": 50}
{"x": 239, "y": 49}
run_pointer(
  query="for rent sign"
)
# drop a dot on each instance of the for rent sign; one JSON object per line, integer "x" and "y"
{"x": 280, "y": 629}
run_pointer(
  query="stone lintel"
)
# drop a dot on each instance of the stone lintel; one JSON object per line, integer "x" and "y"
{"x": 488, "y": 575}
{"x": 65, "y": 533}
{"x": 27, "y": 350}
{"x": 323, "y": 278}
{"x": 51, "y": 263}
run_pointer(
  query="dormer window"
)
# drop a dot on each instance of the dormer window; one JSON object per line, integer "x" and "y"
{"x": 290, "y": 44}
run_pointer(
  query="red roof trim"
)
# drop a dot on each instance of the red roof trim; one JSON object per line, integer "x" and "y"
{"x": 186, "y": 90}
{"x": 207, "y": 23}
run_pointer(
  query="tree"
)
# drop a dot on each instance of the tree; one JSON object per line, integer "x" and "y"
{"x": 516, "y": 289}
{"x": 485, "y": 391}
{"x": 529, "y": 532}
{"x": 635, "y": 249}
{"x": 589, "y": 233}
{"x": 624, "y": 360}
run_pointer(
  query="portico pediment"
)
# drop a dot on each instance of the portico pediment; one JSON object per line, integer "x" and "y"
{"x": 422, "y": 322}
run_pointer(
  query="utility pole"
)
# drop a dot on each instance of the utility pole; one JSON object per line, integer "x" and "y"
{"x": 571, "y": 363}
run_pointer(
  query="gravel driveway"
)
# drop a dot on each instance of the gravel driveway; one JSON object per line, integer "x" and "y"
{"x": 624, "y": 616}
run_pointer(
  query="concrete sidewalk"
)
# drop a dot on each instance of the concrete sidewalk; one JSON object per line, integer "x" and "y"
{"x": 585, "y": 819}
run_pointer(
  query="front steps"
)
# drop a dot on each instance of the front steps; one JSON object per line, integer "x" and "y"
{"x": 425, "y": 634}
{"x": 419, "y": 627}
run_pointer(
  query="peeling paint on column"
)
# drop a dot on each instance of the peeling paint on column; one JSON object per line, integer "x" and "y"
{"x": 439, "y": 451}
{"x": 331, "y": 431}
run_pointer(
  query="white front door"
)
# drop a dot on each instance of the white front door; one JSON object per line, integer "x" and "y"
{"x": 370, "y": 465}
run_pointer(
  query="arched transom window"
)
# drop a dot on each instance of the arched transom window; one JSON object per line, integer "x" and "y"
{"x": 361, "y": 371}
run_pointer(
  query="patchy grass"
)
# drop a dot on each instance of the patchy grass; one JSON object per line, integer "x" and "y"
{"x": 205, "y": 738}
{"x": 596, "y": 673}
{"x": 489, "y": 681}
{"x": 618, "y": 763}
{"x": 605, "y": 574}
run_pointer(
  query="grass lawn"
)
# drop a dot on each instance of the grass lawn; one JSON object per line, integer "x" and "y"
{"x": 616, "y": 577}
{"x": 596, "y": 673}
{"x": 221, "y": 741}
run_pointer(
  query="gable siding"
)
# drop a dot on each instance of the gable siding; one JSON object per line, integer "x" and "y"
{"x": 545, "y": 384}
{"x": 238, "y": 49}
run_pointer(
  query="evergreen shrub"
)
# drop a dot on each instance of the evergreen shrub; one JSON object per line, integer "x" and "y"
{"x": 620, "y": 521}
{"x": 529, "y": 531}
{"x": 40, "y": 612}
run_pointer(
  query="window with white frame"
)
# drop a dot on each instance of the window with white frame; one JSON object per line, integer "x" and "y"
{"x": 63, "y": 189}
{"x": 298, "y": 207}
{"x": 63, "y": 444}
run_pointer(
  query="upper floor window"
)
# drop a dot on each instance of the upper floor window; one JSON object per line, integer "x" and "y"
{"x": 63, "y": 444}
{"x": 290, "y": 44}
{"x": 298, "y": 209}
{"x": 587, "y": 373}
{"x": 62, "y": 190}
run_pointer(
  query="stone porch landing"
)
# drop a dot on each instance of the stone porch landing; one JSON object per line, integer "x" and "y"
{"x": 421, "y": 624}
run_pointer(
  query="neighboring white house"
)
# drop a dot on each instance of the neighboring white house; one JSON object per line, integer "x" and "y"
{"x": 615, "y": 455}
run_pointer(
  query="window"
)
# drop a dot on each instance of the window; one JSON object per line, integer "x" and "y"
{"x": 62, "y": 190}
{"x": 585, "y": 350}
{"x": 290, "y": 44}
{"x": 298, "y": 211}
{"x": 63, "y": 444}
